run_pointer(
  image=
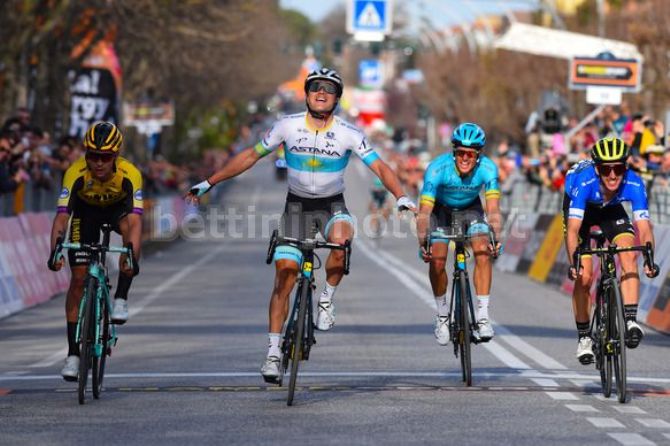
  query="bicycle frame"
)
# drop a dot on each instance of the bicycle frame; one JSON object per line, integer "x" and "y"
{"x": 299, "y": 330}
{"x": 608, "y": 326}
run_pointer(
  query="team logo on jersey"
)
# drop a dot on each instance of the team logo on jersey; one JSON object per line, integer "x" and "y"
{"x": 644, "y": 215}
{"x": 138, "y": 195}
{"x": 314, "y": 151}
{"x": 330, "y": 135}
{"x": 64, "y": 193}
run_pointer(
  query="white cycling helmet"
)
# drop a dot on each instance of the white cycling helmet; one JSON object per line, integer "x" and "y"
{"x": 325, "y": 74}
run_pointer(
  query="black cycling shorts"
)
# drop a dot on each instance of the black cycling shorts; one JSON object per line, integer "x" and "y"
{"x": 612, "y": 220}
{"x": 86, "y": 223}
{"x": 443, "y": 216}
{"x": 304, "y": 217}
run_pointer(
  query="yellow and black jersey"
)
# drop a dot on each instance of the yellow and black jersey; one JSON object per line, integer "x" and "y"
{"x": 79, "y": 187}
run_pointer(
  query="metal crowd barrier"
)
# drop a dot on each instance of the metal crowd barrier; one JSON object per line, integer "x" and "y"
{"x": 520, "y": 195}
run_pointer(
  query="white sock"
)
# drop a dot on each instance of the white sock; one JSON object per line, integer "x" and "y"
{"x": 273, "y": 346}
{"x": 483, "y": 307}
{"x": 328, "y": 293}
{"x": 442, "y": 305}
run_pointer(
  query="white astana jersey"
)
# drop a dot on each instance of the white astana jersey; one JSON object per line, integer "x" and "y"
{"x": 316, "y": 157}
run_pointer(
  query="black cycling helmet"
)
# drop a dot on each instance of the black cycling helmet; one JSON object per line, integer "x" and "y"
{"x": 103, "y": 137}
{"x": 609, "y": 150}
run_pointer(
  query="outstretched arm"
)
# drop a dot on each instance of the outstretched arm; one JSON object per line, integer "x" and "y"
{"x": 391, "y": 182}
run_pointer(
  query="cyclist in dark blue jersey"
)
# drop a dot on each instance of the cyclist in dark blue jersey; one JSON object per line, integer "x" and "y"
{"x": 594, "y": 192}
{"x": 452, "y": 183}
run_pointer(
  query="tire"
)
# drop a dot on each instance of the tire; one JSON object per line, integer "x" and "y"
{"x": 618, "y": 335}
{"x": 298, "y": 334}
{"x": 466, "y": 333}
{"x": 98, "y": 369}
{"x": 86, "y": 335}
{"x": 604, "y": 360}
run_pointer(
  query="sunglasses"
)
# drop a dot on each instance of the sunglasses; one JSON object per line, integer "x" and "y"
{"x": 606, "y": 169}
{"x": 465, "y": 154}
{"x": 104, "y": 157}
{"x": 328, "y": 87}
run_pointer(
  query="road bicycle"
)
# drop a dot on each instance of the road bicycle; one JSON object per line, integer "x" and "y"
{"x": 299, "y": 329}
{"x": 96, "y": 335}
{"x": 463, "y": 326}
{"x": 608, "y": 323}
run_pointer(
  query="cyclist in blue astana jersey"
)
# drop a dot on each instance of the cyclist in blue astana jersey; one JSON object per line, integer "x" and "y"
{"x": 594, "y": 192}
{"x": 453, "y": 182}
{"x": 318, "y": 145}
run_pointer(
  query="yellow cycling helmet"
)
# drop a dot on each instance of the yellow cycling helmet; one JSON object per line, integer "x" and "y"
{"x": 103, "y": 137}
{"x": 609, "y": 150}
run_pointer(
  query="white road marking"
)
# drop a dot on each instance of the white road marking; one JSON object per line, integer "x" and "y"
{"x": 562, "y": 396}
{"x": 581, "y": 408}
{"x": 504, "y": 355}
{"x": 628, "y": 439}
{"x": 544, "y": 382}
{"x": 629, "y": 409}
{"x": 406, "y": 273}
{"x": 604, "y": 422}
{"x": 656, "y": 423}
{"x": 141, "y": 304}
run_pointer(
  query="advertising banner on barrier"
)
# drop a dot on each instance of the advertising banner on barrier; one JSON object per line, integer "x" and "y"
{"x": 650, "y": 288}
{"x": 534, "y": 242}
{"x": 11, "y": 295}
{"x": 546, "y": 255}
{"x": 521, "y": 227}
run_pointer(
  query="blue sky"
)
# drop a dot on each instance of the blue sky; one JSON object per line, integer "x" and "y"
{"x": 441, "y": 12}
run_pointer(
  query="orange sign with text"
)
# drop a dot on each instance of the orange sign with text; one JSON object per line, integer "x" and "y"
{"x": 593, "y": 72}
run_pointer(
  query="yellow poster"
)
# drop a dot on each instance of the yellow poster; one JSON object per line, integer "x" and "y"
{"x": 545, "y": 257}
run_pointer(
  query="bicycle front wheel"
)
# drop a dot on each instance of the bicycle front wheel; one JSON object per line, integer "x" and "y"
{"x": 298, "y": 334}
{"x": 86, "y": 337}
{"x": 602, "y": 344}
{"x": 618, "y": 336}
{"x": 465, "y": 332}
{"x": 98, "y": 368}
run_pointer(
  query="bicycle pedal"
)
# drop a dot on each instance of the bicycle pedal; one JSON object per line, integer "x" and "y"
{"x": 587, "y": 360}
{"x": 273, "y": 380}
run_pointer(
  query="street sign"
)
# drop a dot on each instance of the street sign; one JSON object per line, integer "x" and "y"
{"x": 625, "y": 74}
{"x": 369, "y": 19}
{"x": 370, "y": 73}
{"x": 603, "y": 95}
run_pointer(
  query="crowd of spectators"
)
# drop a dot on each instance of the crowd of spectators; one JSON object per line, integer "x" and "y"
{"x": 555, "y": 142}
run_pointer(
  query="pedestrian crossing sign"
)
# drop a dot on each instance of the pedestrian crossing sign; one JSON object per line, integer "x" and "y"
{"x": 369, "y": 17}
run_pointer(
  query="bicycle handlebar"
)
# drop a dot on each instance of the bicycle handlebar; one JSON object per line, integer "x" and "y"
{"x": 92, "y": 248}
{"x": 646, "y": 250}
{"x": 308, "y": 244}
{"x": 458, "y": 234}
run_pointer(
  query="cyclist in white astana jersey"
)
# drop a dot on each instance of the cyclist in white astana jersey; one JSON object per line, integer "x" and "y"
{"x": 318, "y": 145}
{"x": 316, "y": 157}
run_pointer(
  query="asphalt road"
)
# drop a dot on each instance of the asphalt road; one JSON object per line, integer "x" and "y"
{"x": 186, "y": 368}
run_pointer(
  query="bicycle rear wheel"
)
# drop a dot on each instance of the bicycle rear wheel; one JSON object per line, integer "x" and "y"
{"x": 603, "y": 358}
{"x": 465, "y": 332}
{"x": 98, "y": 368}
{"x": 618, "y": 336}
{"x": 86, "y": 337}
{"x": 298, "y": 334}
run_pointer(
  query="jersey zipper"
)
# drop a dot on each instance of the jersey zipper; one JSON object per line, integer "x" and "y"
{"x": 316, "y": 136}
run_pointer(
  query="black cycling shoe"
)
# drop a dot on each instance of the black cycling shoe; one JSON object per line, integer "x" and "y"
{"x": 634, "y": 334}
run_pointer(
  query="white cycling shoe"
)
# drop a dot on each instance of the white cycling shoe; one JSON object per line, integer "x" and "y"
{"x": 585, "y": 350}
{"x": 120, "y": 311}
{"x": 271, "y": 369}
{"x": 325, "y": 316}
{"x": 634, "y": 334}
{"x": 485, "y": 330}
{"x": 441, "y": 330}
{"x": 70, "y": 370}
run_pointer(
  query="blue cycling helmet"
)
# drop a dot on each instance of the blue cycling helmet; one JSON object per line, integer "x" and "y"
{"x": 468, "y": 135}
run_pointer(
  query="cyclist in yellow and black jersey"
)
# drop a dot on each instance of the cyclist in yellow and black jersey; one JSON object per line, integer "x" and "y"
{"x": 99, "y": 188}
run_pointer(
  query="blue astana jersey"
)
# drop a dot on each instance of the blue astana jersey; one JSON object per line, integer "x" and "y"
{"x": 443, "y": 183}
